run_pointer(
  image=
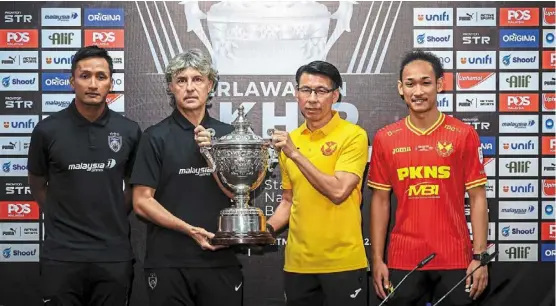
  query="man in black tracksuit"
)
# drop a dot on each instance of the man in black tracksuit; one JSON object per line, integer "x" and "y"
{"x": 176, "y": 193}
{"x": 78, "y": 161}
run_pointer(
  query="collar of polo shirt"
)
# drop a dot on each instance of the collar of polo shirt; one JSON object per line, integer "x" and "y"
{"x": 327, "y": 128}
{"x": 80, "y": 120}
{"x": 185, "y": 124}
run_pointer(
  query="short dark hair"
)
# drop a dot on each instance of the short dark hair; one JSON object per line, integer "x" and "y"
{"x": 419, "y": 55}
{"x": 323, "y": 68}
{"x": 89, "y": 52}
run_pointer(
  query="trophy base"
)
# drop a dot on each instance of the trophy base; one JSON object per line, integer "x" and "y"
{"x": 262, "y": 238}
{"x": 242, "y": 226}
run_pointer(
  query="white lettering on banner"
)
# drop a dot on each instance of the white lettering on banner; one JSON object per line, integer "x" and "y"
{"x": 268, "y": 89}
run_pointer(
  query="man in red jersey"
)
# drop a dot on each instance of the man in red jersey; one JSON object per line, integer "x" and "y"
{"x": 430, "y": 161}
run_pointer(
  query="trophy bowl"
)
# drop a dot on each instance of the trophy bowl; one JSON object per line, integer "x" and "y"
{"x": 241, "y": 160}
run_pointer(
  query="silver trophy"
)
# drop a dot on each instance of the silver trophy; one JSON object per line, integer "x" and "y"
{"x": 241, "y": 160}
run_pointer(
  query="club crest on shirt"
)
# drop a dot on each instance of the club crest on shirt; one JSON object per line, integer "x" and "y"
{"x": 444, "y": 149}
{"x": 115, "y": 142}
{"x": 328, "y": 148}
{"x": 152, "y": 280}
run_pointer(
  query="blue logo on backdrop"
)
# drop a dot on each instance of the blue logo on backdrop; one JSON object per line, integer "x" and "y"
{"x": 549, "y": 124}
{"x": 56, "y": 82}
{"x": 548, "y": 210}
{"x": 522, "y": 38}
{"x": 548, "y": 252}
{"x": 488, "y": 145}
{"x": 104, "y": 17}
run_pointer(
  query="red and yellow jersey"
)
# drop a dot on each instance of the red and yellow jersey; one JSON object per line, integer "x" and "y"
{"x": 429, "y": 172}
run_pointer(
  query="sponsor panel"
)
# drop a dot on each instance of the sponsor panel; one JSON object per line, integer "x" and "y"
{"x": 519, "y": 16}
{"x": 518, "y": 167}
{"x": 19, "y": 60}
{"x": 19, "y": 82}
{"x": 476, "y": 60}
{"x": 548, "y": 16}
{"x": 549, "y": 81}
{"x": 518, "y": 188}
{"x": 117, "y": 59}
{"x": 118, "y": 82}
{"x": 518, "y": 145}
{"x": 17, "y": 231}
{"x": 548, "y": 145}
{"x": 19, "y": 252}
{"x": 445, "y": 58}
{"x": 15, "y": 189}
{"x": 519, "y": 102}
{"x": 491, "y": 231}
{"x": 476, "y": 39}
{"x": 19, "y": 39}
{"x": 429, "y": 16}
{"x": 548, "y": 166}
{"x": 55, "y": 81}
{"x": 518, "y": 252}
{"x": 13, "y": 166}
{"x": 548, "y": 188}
{"x": 60, "y": 17}
{"x": 52, "y": 103}
{"x": 519, "y": 60}
{"x": 548, "y": 123}
{"x": 476, "y": 17}
{"x": 548, "y": 252}
{"x": 548, "y": 102}
{"x": 476, "y": 81}
{"x": 548, "y": 38}
{"x": 518, "y": 124}
{"x": 518, "y": 231}
{"x": 14, "y": 145}
{"x": 549, "y": 59}
{"x": 104, "y": 17}
{"x": 105, "y": 38}
{"x": 519, "y": 38}
{"x": 480, "y": 122}
{"x": 441, "y": 38}
{"x": 58, "y": 60}
{"x": 518, "y": 210}
{"x": 116, "y": 102}
{"x": 488, "y": 145}
{"x": 18, "y": 18}
{"x": 519, "y": 81}
{"x": 19, "y": 210}
{"x": 18, "y": 124}
{"x": 476, "y": 102}
{"x": 548, "y": 210}
{"x": 548, "y": 231}
{"x": 60, "y": 38}
{"x": 489, "y": 164}
{"x": 19, "y": 103}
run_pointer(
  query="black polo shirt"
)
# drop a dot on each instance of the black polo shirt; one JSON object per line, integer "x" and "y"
{"x": 169, "y": 161}
{"x": 85, "y": 164}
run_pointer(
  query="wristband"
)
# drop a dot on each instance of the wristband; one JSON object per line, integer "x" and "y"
{"x": 270, "y": 229}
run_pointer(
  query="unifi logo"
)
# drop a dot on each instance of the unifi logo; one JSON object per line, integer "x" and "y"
{"x": 487, "y": 59}
{"x": 469, "y": 80}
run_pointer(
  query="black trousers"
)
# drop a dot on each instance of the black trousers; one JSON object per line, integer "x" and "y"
{"x": 85, "y": 284}
{"x": 430, "y": 284}
{"x": 195, "y": 286}
{"x": 349, "y": 288}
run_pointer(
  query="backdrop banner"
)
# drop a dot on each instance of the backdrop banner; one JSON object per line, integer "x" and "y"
{"x": 500, "y": 64}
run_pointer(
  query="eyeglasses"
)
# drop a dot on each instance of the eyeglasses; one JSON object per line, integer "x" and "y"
{"x": 320, "y": 91}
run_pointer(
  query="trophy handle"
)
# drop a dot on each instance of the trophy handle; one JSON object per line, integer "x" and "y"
{"x": 272, "y": 154}
{"x": 206, "y": 152}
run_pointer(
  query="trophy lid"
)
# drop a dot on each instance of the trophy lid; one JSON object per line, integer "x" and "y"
{"x": 242, "y": 133}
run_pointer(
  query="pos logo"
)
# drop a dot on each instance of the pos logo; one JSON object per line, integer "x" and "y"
{"x": 26, "y": 210}
{"x": 105, "y": 38}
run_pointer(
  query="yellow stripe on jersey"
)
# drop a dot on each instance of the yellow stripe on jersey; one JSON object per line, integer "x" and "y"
{"x": 476, "y": 183}
{"x": 428, "y": 131}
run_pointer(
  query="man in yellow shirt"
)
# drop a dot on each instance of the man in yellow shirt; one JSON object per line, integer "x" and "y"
{"x": 322, "y": 164}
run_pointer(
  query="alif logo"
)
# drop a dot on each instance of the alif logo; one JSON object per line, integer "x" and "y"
{"x": 61, "y": 38}
{"x": 518, "y": 252}
{"x": 518, "y": 166}
{"x": 519, "y": 81}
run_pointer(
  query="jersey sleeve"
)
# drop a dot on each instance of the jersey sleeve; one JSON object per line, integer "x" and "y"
{"x": 473, "y": 161}
{"x": 354, "y": 155}
{"x": 148, "y": 162}
{"x": 286, "y": 183}
{"x": 136, "y": 138}
{"x": 378, "y": 177}
{"x": 37, "y": 157}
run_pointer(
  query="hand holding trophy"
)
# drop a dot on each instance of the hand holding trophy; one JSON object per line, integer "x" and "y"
{"x": 241, "y": 160}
